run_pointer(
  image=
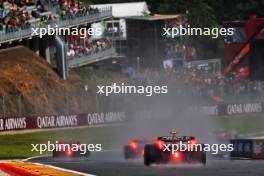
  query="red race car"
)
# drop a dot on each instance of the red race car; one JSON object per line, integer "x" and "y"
{"x": 134, "y": 149}
{"x": 162, "y": 151}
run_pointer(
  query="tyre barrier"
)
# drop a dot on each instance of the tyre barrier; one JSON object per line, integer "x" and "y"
{"x": 247, "y": 148}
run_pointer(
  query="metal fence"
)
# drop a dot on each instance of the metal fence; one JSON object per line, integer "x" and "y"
{"x": 86, "y": 59}
{"x": 60, "y": 23}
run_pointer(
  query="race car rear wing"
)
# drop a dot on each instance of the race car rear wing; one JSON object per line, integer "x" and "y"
{"x": 175, "y": 138}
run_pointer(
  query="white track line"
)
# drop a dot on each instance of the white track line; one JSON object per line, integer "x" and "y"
{"x": 35, "y": 157}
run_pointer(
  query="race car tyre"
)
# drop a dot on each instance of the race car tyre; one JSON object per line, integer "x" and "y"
{"x": 127, "y": 152}
{"x": 203, "y": 159}
{"x": 55, "y": 154}
{"x": 149, "y": 154}
{"x": 87, "y": 154}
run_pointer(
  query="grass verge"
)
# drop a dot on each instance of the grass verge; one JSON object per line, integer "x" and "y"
{"x": 243, "y": 124}
{"x": 19, "y": 145}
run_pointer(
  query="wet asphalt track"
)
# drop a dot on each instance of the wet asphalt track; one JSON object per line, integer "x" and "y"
{"x": 112, "y": 164}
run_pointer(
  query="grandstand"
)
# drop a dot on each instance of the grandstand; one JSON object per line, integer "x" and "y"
{"x": 119, "y": 38}
{"x": 20, "y": 17}
{"x": 14, "y": 29}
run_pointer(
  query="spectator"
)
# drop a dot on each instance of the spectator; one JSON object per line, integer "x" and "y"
{"x": 87, "y": 46}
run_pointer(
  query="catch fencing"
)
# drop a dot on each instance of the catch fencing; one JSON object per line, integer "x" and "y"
{"x": 31, "y": 104}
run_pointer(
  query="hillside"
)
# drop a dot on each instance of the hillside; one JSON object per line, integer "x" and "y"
{"x": 29, "y": 86}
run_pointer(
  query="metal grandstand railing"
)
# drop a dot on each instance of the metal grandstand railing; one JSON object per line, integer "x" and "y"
{"x": 60, "y": 23}
{"x": 88, "y": 59}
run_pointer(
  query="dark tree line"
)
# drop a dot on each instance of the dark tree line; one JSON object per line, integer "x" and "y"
{"x": 204, "y": 12}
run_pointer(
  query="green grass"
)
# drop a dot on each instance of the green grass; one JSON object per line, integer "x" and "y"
{"x": 243, "y": 124}
{"x": 19, "y": 145}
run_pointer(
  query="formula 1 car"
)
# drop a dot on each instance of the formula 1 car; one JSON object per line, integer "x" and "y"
{"x": 70, "y": 150}
{"x": 161, "y": 151}
{"x": 135, "y": 149}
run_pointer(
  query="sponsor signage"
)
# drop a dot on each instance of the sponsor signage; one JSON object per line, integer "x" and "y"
{"x": 231, "y": 109}
{"x": 13, "y": 123}
{"x": 101, "y": 118}
{"x": 60, "y": 121}
{"x": 57, "y": 121}
{"x": 208, "y": 110}
{"x": 105, "y": 118}
{"x": 240, "y": 108}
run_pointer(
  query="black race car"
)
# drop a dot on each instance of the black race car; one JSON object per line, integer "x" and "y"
{"x": 69, "y": 150}
{"x": 134, "y": 149}
{"x": 161, "y": 151}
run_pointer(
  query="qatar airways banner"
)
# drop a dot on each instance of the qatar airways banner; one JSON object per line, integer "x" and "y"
{"x": 240, "y": 108}
{"x": 60, "y": 121}
{"x": 229, "y": 109}
{"x": 104, "y": 118}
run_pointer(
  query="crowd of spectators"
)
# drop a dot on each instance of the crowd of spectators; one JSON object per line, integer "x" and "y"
{"x": 21, "y": 14}
{"x": 114, "y": 31}
{"x": 174, "y": 51}
{"x": 193, "y": 83}
{"x": 179, "y": 51}
{"x": 182, "y": 20}
{"x": 75, "y": 8}
{"x": 78, "y": 47}
{"x": 14, "y": 14}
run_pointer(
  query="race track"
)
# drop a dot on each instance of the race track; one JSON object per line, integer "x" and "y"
{"x": 111, "y": 164}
